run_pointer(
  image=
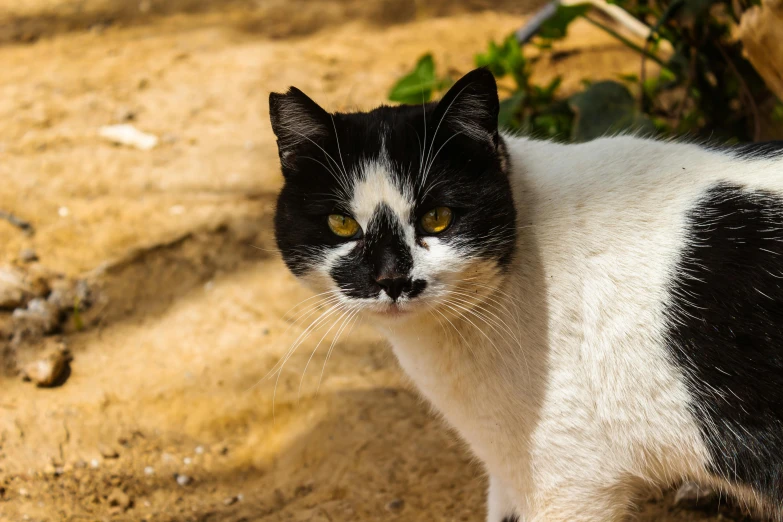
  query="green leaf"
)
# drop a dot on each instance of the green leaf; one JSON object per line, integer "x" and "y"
{"x": 606, "y": 107}
{"x": 417, "y": 86}
{"x": 506, "y": 58}
{"x": 777, "y": 112}
{"x": 556, "y": 26}
{"x": 509, "y": 109}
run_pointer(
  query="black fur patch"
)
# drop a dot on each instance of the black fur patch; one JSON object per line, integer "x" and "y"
{"x": 726, "y": 332}
{"x": 510, "y": 518}
{"x": 447, "y": 154}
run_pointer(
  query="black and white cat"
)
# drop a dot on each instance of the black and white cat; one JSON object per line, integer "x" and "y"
{"x": 591, "y": 318}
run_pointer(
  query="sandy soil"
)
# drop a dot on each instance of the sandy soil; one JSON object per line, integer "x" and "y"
{"x": 164, "y": 414}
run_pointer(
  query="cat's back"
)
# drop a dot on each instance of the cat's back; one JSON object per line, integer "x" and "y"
{"x": 634, "y": 177}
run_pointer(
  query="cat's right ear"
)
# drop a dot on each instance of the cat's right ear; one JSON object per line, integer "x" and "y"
{"x": 298, "y": 122}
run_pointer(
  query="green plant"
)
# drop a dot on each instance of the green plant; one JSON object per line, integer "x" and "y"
{"x": 703, "y": 87}
{"x": 419, "y": 85}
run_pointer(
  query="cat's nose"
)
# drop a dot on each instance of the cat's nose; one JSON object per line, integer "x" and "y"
{"x": 394, "y": 286}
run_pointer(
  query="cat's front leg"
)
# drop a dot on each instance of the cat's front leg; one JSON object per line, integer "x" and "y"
{"x": 587, "y": 500}
{"x": 500, "y": 508}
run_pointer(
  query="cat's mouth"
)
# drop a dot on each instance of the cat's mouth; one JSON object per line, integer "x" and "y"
{"x": 392, "y": 310}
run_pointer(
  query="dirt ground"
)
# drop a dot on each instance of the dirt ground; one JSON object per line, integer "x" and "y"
{"x": 164, "y": 414}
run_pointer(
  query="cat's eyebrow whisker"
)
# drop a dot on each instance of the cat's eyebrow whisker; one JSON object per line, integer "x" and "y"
{"x": 424, "y": 116}
{"x": 343, "y": 183}
{"x": 337, "y": 138}
{"x": 435, "y": 135}
{"x": 429, "y": 166}
{"x": 329, "y": 156}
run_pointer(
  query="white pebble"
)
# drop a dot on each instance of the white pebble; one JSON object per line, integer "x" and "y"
{"x": 187, "y": 461}
{"x": 63, "y": 211}
{"x": 126, "y": 134}
{"x": 23, "y": 492}
{"x": 199, "y": 450}
{"x": 94, "y": 463}
{"x": 183, "y": 480}
{"x": 240, "y": 497}
{"x": 149, "y": 470}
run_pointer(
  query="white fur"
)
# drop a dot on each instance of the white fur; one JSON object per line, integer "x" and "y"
{"x": 557, "y": 374}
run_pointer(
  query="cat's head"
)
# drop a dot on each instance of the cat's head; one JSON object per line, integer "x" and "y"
{"x": 399, "y": 209}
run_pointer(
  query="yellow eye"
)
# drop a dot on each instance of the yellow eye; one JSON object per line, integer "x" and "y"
{"x": 436, "y": 220}
{"x": 343, "y": 226}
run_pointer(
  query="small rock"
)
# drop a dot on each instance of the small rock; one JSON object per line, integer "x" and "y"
{"x": 13, "y": 289}
{"x": 39, "y": 318}
{"x": 118, "y": 498}
{"x": 127, "y": 134}
{"x": 63, "y": 212}
{"x": 183, "y": 480}
{"x": 199, "y": 450}
{"x": 691, "y": 495}
{"x": 47, "y": 370}
{"x": 23, "y": 492}
{"x": 108, "y": 452}
{"x": 395, "y": 505}
{"x": 94, "y": 463}
{"x": 230, "y": 500}
{"x": 187, "y": 461}
{"x": 240, "y": 497}
{"x": 28, "y": 255}
{"x": 149, "y": 470}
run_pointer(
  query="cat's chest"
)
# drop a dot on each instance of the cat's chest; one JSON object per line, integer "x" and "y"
{"x": 463, "y": 381}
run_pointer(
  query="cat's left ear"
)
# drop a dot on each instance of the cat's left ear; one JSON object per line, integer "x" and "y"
{"x": 471, "y": 107}
{"x": 298, "y": 122}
